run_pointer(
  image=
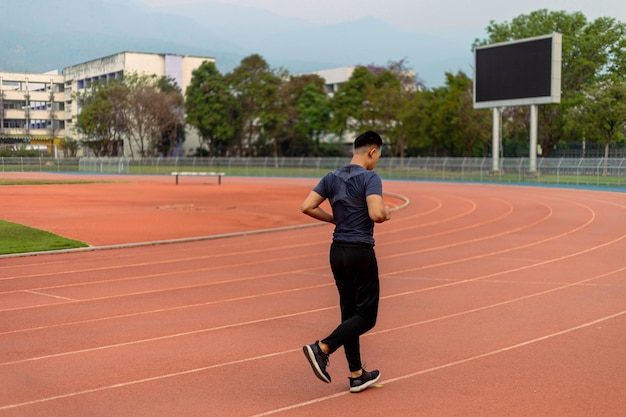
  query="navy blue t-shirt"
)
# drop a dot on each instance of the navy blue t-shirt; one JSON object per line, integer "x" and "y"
{"x": 347, "y": 189}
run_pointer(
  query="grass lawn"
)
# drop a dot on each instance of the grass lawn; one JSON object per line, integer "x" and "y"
{"x": 15, "y": 238}
{"x": 18, "y": 181}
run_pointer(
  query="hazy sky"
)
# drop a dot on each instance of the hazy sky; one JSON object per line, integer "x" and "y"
{"x": 422, "y": 15}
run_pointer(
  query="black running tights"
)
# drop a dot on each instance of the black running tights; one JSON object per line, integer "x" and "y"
{"x": 355, "y": 270}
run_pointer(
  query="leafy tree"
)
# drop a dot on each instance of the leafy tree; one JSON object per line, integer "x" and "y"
{"x": 146, "y": 110}
{"x": 348, "y": 101}
{"x": 383, "y": 108}
{"x": 409, "y": 80}
{"x": 313, "y": 115}
{"x": 210, "y": 108}
{"x": 604, "y": 113}
{"x": 473, "y": 126}
{"x": 378, "y": 111}
{"x": 69, "y": 147}
{"x": 438, "y": 127}
{"x": 376, "y": 98}
{"x": 282, "y": 117}
{"x": 101, "y": 120}
{"x": 443, "y": 122}
{"x": 253, "y": 85}
{"x": 154, "y": 107}
{"x": 401, "y": 103}
{"x": 272, "y": 115}
{"x": 415, "y": 121}
{"x": 173, "y": 118}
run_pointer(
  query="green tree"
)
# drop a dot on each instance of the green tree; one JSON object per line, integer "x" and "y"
{"x": 400, "y": 103}
{"x": 604, "y": 113}
{"x": 271, "y": 115}
{"x": 154, "y": 107}
{"x": 383, "y": 110}
{"x": 378, "y": 111}
{"x": 283, "y": 118}
{"x": 172, "y": 118}
{"x": 253, "y": 85}
{"x": 416, "y": 124}
{"x": 145, "y": 110}
{"x": 210, "y": 108}
{"x": 313, "y": 115}
{"x": 348, "y": 101}
{"x": 443, "y": 122}
{"x": 69, "y": 147}
{"x": 438, "y": 127}
{"x": 102, "y": 122}
{"x": 376, "y": 98}
{"x": 473, "y": 127}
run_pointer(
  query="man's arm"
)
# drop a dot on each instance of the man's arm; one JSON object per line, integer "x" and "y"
{"x": 311, "y": 207}
{"x": 377, "y": 210}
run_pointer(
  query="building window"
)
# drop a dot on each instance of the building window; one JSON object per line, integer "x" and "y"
{"x": 13, "y": 124}
{"x": 14, "y": 105}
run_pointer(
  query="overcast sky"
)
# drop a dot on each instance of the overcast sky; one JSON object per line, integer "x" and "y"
{"x": 422, "y": 15}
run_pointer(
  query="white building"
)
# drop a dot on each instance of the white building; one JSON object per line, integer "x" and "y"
{"x": 32, "y": 108}
{"x": 41, "y": 109}
{"x": 335, "y": 77}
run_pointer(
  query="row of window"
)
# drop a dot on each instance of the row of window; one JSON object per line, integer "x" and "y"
{"x": 33, "y": 124}
{"x": 26, "y": 86}
{"x": 87, "y": 82}
{"x": 34, "y": 105}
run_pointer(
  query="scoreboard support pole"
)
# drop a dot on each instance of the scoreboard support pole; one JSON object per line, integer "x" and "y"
{"x": 495, "y": 140}
{"x": 532, "y": 152}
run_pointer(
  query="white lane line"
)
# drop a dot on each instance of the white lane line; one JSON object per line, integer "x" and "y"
{"x": 49, "y": 295}
{"x": 402, "y": 294}
{"x": 317, "y": 400}
{"x": 447, "y": 365}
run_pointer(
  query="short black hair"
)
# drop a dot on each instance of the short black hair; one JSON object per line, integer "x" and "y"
{"x": 368, "y": 138}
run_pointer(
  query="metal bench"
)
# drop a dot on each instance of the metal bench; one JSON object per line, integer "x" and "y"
{"x": 219, "y": 175}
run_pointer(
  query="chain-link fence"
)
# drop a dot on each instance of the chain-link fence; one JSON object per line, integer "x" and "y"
{"x": 38, "y": 164}
{"x": 579, "y": 171}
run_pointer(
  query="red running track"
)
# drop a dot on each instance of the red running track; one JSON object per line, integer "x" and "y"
{"x": 496, "y": 301}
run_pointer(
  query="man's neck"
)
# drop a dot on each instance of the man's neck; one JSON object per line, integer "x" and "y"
{"x": 359, "y": 161}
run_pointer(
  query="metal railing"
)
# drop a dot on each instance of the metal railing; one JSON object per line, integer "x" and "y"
{"x": 577, "y": 171}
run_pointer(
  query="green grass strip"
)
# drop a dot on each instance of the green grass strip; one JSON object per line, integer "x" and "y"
{"x": 17, "y": 181}
{"x": 15, "y": 238}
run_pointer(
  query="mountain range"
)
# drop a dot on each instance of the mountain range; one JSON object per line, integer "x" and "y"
{"x": 44, "y": 35}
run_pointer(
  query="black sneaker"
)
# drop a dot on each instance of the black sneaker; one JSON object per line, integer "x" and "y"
{"x": 318, "y": 361}
{"x": 364, "y": 381}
